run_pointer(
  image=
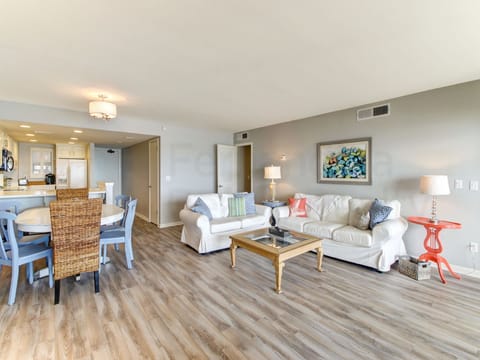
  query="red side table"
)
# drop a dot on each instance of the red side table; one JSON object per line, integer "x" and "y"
{"x": 432, "y": 242}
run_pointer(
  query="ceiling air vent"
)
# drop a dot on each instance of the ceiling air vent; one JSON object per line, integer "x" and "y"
{"x": 373, "y": 112}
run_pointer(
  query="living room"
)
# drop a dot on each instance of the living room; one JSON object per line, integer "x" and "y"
{"x": 290, "y": 76}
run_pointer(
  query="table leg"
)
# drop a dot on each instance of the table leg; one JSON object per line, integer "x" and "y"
{"x": 278, "y": 275}
{"x": 439, "y": 260}
{"x": 233, "y": 247}
{"x": 319, "y": 259}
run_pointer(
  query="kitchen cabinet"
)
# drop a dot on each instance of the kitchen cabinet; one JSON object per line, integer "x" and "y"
{"x": 66, "y": 151}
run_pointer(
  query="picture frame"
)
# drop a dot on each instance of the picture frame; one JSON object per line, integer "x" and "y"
{"x": 345, "y": 162}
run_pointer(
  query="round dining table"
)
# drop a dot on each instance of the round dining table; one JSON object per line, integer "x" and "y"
{"x": 37, "y": 220}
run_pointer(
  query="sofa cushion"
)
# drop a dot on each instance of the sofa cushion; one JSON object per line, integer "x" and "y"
{"x": 236, "y": 207}
{"x": 249, "y": 201}
{"x": 252, "y": 220}
{"x": 297, "y": 207}
{"x": 358, "y": 215}
{"x": 293, "y": 223}
{"x": 353, "y": 236}
{"x": 321, "y": 229}
{"x": 224, "y": 204}
{"x": 378, "y": 213}
{"x": 331, "y": 208}
{"x": 201, "y": 208}
{"x": 225, "y": 224}
{"x": 213, "y": 202}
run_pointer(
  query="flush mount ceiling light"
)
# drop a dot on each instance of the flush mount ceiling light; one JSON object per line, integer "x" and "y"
{"x": 102, "y": 109}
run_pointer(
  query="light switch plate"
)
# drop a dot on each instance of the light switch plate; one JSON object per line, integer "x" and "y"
{"x": 458, "y": 184}
{"x": 473, "y": 185}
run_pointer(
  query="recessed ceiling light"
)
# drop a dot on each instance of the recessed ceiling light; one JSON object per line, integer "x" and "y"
{"x": 29, "y": 134}
{"x": 33, "y": 140}
{"x": 78, "y": 131}
{"x": 42, "y": 132}
{"x": 73, "y": 138}
{"x": 25, "y": 126}
{"x": 71, "y": 142}
{"x": 129, "y": 137}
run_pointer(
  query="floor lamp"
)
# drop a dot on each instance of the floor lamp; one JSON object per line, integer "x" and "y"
{"x": 272, "y": 173}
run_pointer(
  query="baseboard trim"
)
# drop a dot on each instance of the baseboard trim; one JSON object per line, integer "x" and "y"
{"x": 143, "y": 217}
{"x": 464, "y": 270}
{"x": 170, "y": 224}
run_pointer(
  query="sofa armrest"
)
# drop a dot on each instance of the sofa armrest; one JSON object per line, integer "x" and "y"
{"x": 281, "y": 212}
{"x": 263, "y": 210}
{"x": 394, "y": 228}
{"x": 194, "y": 222}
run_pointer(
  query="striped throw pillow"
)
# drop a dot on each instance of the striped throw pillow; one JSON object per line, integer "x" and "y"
{"x": 236, "y": 207}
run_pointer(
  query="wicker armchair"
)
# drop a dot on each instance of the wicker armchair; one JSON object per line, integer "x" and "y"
{"x": 68, "y": 194}
{"x": 75, "y": 239}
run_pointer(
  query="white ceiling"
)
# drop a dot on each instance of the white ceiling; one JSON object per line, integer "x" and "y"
{"x": 233, "y": 65}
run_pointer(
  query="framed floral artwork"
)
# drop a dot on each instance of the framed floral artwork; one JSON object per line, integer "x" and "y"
{"x": 345, "y": 162}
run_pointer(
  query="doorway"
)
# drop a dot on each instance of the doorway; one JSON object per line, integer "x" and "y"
{"x": 234, "y": 168}
{"x": 153, "y": 181}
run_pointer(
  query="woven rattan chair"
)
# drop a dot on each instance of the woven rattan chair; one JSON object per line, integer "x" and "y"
{"x": 75, "y": 239}
{"x": 68, "y": 194}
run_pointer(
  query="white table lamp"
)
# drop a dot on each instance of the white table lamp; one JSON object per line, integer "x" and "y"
{"x": 272, "y": 173}
{"x": 434, "y": 185}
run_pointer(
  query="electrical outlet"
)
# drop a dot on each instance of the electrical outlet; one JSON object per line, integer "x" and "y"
{"x": 473, "y": 246}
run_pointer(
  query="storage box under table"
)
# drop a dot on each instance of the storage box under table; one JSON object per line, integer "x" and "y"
{"x": 418, "y": 270}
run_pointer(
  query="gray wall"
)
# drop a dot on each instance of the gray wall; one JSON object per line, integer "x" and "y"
{"x": 135, "y": 175}
{"x": 435, "y": 132}
{"x": 188, "y": 166}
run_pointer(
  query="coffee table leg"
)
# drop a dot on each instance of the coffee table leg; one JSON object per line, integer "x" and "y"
{"x": 319, "y": 259}
{"x": 233, "y": 247}
{"x": 278, "y": 275}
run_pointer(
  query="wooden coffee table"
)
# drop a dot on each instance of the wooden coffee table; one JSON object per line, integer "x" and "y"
{"x": 277, "y": 249}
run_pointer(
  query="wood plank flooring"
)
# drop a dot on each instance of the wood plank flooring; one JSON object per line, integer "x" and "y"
{"x": 176, "y": 304}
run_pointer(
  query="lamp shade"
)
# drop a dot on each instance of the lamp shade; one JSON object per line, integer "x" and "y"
{"x": 434, "y": 185}
{"x": 102, "y": 109}
{"x": 272, "y": 172}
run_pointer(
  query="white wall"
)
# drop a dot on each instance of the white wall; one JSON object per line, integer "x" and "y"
{"x": 107, "y": 167}
{"x": 187, "y": 155}
{"x": 435, "y": 132}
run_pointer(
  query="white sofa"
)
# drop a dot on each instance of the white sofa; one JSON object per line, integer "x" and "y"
{"x": 206, "y": 235}
{"x": 330, "y": 217}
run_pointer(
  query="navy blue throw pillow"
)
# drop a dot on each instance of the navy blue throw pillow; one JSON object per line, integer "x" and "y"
{"x": 201, "y": 208}
{"x": 378, "y": 213}
{"x": 249, "y": 202}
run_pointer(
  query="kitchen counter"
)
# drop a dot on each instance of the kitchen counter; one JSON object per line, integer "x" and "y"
{"x": 28, "y": 192}
{"x": 26, "y": 197}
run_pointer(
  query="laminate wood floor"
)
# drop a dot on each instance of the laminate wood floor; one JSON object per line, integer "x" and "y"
{"x": 176, "y": 304}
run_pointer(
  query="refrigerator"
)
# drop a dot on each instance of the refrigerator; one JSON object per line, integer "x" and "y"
{"x": 71, "y": 173}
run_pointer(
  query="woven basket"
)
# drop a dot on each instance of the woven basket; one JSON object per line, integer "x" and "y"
{"x": 418, "y": 270}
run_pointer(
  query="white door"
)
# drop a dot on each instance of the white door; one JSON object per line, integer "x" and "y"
{"x": 226, "y": 169}
{"x": 153, "y": 181}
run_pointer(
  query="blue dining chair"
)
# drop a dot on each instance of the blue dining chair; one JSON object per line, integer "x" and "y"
{"x": 11, "y": 254}
{"x": 122, "y": 235}
{"x": 120, "y": 201}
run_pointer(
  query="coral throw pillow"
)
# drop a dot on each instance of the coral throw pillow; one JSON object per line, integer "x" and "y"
{"x": 298, "y": 207}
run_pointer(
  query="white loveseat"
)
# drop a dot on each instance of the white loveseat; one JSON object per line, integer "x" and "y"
{"x": 206, "y": 235}
{"x": 331, "y": 218}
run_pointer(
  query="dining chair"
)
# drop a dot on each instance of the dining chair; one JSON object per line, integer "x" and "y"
{"x": 75, "y": 239}
{"x": 123, "y": 235}
{"x": 68, "y": 194}
{"x": 12, "y": 207}
{"x": 13, "y": 255}
{"x": 120, "y": 201}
